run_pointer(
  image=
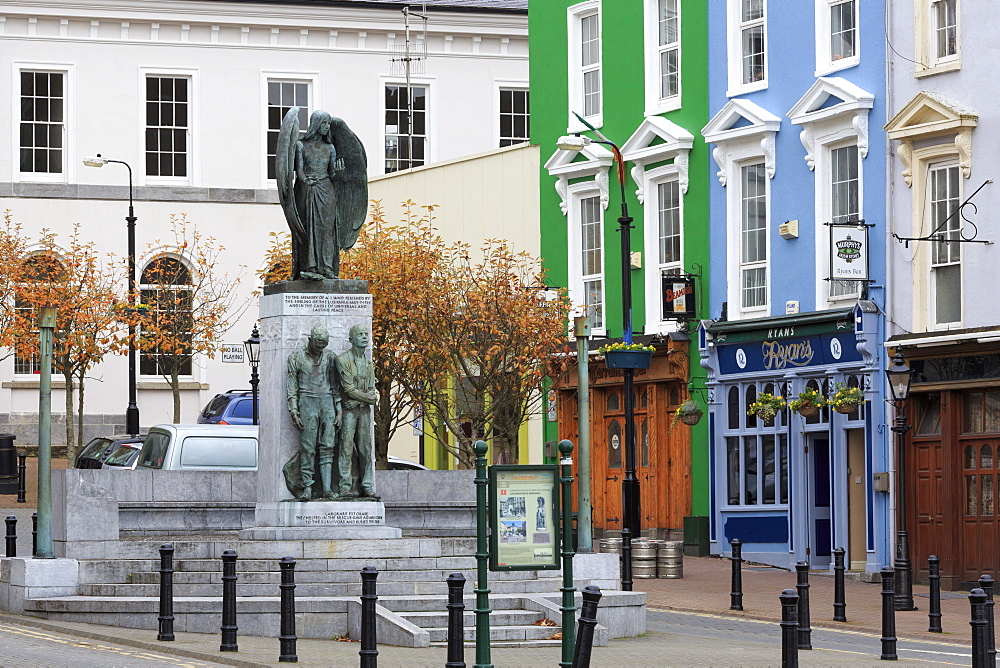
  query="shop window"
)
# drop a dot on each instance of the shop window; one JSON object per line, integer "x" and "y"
{"x": 644, "y": 398}
{"x": 768, "y": 469}
{"x": 733, "y": 469}
{"x": 783, "y": 454}
{"x": 613, "y": 403}
{"x": 971, "y": 495}
{"x": 859, "y": 412}
{"x": 675, "y": 397}
{"x": 734, "y": 408}
{"x": 929, "y": 412}
{"x": 982, "y": 413}
{"x": 750, "y": 470}
{"x": 751, "y": 394}
{"x": 757, "y": 463}
{"x": 970, "y": 457}
{"x": 645, "y": 442}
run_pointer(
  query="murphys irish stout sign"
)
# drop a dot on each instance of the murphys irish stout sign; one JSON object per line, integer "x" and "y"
{"x": 848, "y": 253}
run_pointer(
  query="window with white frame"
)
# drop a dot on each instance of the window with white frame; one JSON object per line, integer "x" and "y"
{"x": 167, "y": 125}
{"x": 40, "y": 270}
{"x": 166, "y": 287}
{"x": 845, "y": 203}
{"x": 747, "y": 45}
{"x": 405, "y": 126}
{"x": 663, "y": 55}
{"x": 669, "y": 229}
{"x": 584, "y": 56}
{"x": 939, "y": 34}
{"x": 756, "y": 450}
{"x": 514, "y": 116}
{"x": 282, "y": 95}
{"x": 753, "y": 236}
{"x": 42, "y": 128}
{"x": 837, "y": 45}
{"x": 591, "y": 250}
{"x": 944, "y": 188}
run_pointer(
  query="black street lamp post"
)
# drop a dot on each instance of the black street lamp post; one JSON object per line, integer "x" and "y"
{"x": 899, "y": 376}
{"x": 252, "y": 347}
{"x": 132, "y": 412}
{"x": 630, "y": 484}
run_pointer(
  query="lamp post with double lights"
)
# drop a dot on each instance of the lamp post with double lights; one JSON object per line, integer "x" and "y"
{"x": 630, "y": 484}
{"x": 899, "y": 376}
{"x": 132, "y": 412}
{"x": 252, "y": 347}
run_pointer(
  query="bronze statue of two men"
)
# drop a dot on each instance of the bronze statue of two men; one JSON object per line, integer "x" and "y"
{"x": 330, "y": 399}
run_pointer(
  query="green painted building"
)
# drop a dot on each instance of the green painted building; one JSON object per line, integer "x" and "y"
{"x": 637, "y": 71}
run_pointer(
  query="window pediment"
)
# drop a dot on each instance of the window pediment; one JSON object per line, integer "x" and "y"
{"x": 656, "y": 140}
{"x": 593, "y": 161}
{"x": 932, "y": 115}
{"x": 742, "y": 121}
{"x": 832, "y": 103}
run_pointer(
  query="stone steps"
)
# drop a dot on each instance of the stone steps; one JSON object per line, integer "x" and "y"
{"x": 439, "y": 618}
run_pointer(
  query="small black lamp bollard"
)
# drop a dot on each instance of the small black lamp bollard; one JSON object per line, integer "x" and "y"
{"x": 369, "y": 653}
{"x": 21, "y": 477}
{"x": 802, "y": 585}
{"x": 980, "y": 630}
{"x": 934, "y": 577}
{"x": 888, "y": 615}
{"x": 229, "y": 628}
{"x": 166, "y": 618}
{"x": 34, "y": 533}
{"x": 456, "y": 621}
{"x": 11, "y": 536}
{"x": 287, "y": 638}
{"x": 626, "y": 559}
{"x": 736, "y": 596}
{"x": 839, "y": 605}
{"x": 789, "y": 628}
{"x": 986, "y": 583}
{"x": 588, "y": 620}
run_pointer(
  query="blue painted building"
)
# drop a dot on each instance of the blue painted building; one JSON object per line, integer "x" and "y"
{"x": 794, "y": 88}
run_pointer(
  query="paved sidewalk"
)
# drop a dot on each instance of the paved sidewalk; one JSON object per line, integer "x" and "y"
{"x": 706, "y": 586}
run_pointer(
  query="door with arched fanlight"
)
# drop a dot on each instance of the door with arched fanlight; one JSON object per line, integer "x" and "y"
{"x": 979, "y": 441}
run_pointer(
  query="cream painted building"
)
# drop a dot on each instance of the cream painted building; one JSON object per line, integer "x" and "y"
{"x": 189, "y": 94}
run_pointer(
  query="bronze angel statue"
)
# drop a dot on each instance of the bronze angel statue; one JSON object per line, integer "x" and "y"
{"x": 323, "y": 190}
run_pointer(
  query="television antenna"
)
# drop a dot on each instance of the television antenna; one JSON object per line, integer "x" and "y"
{"x": 408, "y": 59}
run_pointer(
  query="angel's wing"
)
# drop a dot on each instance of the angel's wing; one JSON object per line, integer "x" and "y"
{"x": 284, "y": 160}
{"x": 352, "y": 186}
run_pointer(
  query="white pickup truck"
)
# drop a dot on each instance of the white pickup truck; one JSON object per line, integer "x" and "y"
{"x": 200, "y": 447}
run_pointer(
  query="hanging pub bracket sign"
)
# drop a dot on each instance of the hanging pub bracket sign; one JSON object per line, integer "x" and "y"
{"x": 849, "y": 251}
{"x": 943, "y": 234}
{"x": 678, "y": 296}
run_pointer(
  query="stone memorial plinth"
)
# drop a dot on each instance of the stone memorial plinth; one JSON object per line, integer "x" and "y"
{"x": 288, "y": 312}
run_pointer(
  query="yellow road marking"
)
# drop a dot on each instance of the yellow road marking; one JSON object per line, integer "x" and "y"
{"x": 134, "y": 653}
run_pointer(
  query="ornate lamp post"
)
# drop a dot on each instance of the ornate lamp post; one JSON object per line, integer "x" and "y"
{"x": 899, "y": 376}
{"x": 252, "y": 347}
{"x": 132, "y": 412}
{"x": 630, "y": 484}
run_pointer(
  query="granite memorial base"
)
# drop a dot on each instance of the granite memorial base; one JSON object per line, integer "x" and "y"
{"x": 329, "y": 520}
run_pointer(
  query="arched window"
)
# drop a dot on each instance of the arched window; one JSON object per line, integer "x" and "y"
{"x": 39, "y": 270}
{"x": 166, "y": 289}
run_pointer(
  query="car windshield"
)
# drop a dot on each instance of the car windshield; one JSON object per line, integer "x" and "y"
{"x": 216, "y": 406}
{"x": 154, "y": 450}
{"x": 94, "y": 448}
{"x": 123, "y": 456}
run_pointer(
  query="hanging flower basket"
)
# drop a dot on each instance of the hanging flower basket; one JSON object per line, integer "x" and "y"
{"x": 627, "y": 355}
{"x": 766, "y": 406}
{"x": 689, "y": 413}
{"x": 808, "y": 402}
{"x": 847, "y": 399}
{"x": 808, "y": 410}
{"x": 846, "y": 408}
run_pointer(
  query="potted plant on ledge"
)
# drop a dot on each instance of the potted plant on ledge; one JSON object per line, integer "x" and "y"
{"x": 808, "y": 403}
{"x": 622, "y": 355}
{"x": 767, "y": 406}
{"x": 846, "y": 399}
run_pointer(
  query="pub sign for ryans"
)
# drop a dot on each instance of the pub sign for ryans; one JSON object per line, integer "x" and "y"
{"x": 678, "y": 296}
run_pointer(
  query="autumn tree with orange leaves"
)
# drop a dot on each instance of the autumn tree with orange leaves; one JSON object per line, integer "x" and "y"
{"x": 186, "y": 304}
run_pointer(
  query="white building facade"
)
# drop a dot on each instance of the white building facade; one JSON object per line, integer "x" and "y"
{"x": 190, "y": 95}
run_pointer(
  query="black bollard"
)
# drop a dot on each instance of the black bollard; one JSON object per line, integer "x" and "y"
{"x": 34, "y": 533}
{"x": 11, "y": 536}
{"x": 287, "y": 638}
{"x": 986, "y": 584}
{"x": 736, "y": 595}
{"x": 229, "y": 627}
{"x": 456, "y": 621}
{"x": 934, "y": 576}
{"x": 166, "y": 617}
{"x": 839, "y": 604}
{"x": 980, "y": 628}
{"x": 585, "y": 629}
{"x": 626, "y": 559}
{"x": 789, "y": 628}
{"x": 802, "y": 585}
{"x": 21, "y": 477}
{"x": 888, "y": 615}
{"x": 369, "y": 654}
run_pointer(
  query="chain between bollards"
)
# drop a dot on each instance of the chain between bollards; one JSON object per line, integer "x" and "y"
{"x": 980, "y": 629}
{"x": 11, "y": 522}
{"x": 34, "y": 533}
{"x": 483, "y": 649}
{"x": 568, "y": 607}
{"x": 287, "y": 639}
{"x": 986, "y": 583}
{"x": 736, "y": 561}
{"x": 369, "y": 638}
{"x": 229, "y": 628}
{"x": 21, "y": 477}
{"x": 839, "y": 604}
{"x": 626, "y": 559}
{"x": 888, "y": 615}
{"x": 166, "y": 618}
{"x": 934, "y": 577}
{"x": 802, "y": 586}
{"x": 588, "y": 620}
{"x": 789, "y": 628}
{"x": 456, "y": 621}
